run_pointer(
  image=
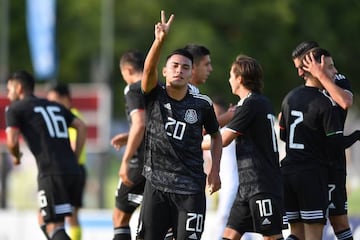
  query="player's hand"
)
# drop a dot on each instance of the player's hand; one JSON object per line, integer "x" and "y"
{"x": 119, "y": 140}
{"x": 214, "y": 183}
{"x": 162, "y": 28}
{"x": 123, "y": 174}
{"x": 17, "y": 159}
{"x": 313, "y": 67}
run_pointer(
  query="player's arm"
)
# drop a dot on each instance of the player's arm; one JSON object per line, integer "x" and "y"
{"x": 342, "y": 97}
{"x": 150, "y": 72}
{"x": 216, "y": 151}
{"x": 135, "y": 137}
{"x": 226, "y": 117}
{"x": 342, "y": 141}
{"x": 81, "y": 134}
{"x": 12, "y": 142}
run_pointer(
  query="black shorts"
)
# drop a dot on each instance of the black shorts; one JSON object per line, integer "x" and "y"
{"x": 56, "y": 196}
{"x": 262, "y": 213}
{"x": 160, "y": 211}
{"x": 306, "y": 196}
{"x": 337, "y": 192}
{"x": 78, "y": 202}
{"x": 127, "y": 199}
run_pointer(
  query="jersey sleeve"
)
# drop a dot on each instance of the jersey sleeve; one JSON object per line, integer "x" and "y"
{"x": 243, "y": 116}
{"x": 134, "y": 98}
{"x": 332, "y": 121}
{"x": 343, "y": 82}
{"x": 11, "y": 119}
{"x": 211, "y": 124}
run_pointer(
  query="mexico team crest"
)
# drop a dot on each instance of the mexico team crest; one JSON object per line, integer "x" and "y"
{"x": 191, "y": 116}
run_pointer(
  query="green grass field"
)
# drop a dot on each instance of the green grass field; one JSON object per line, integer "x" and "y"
{"x": 354, "y": 202}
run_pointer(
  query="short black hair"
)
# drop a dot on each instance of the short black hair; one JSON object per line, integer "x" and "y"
{"x": 24, "y": 78}
{"x": 303, "y": 47}
{"x": 198, "y": 51}
{"x": 134, "y": 58}
{"x": 182, "y": 52}
{"x": 62, "y": 89}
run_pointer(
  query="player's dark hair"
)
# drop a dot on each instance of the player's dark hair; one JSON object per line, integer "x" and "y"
{"x": 182, "y": 52}
{"x": 134, "y": 58}
{"x": 24, "y": 78}
{"x": 318, "y": 52}
{"x": 250, "y": 70}
{"x": 198, "y": 51}
{"x": 303, "y": 47}
{"x": 62, "y": 89}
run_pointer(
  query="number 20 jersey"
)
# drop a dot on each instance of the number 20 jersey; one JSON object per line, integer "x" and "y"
{"x": 173, "y": 154}
{"x": 44, "y": 126}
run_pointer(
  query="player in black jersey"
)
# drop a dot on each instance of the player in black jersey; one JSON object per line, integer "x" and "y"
{"x": 174, "y": 194}
{"x": 131, "y": 184}
{"x": 311, "y": 126}
{"x": 340, "y": 90}
{"x": 258, "y": 206}
{"x": 44, "y": 126}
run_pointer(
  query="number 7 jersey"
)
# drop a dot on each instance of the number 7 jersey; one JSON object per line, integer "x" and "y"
{"x": 44, "y": 126}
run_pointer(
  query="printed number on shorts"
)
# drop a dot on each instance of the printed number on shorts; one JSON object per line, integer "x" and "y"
{"x": 194, "y": 222}
{"x": 265, "y": 207}
{"x": 299, "y": 118}
{"x": 42, "y": 199}
{"x": 331, "y": 189}
{"x": 175, "y": 128}
{"x": 55, "y": 123}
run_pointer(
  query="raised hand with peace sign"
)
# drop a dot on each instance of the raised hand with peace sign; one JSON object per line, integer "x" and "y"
{"x": 162, "y": 28}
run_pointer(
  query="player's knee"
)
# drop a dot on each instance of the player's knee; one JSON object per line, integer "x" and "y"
{"x": 59, "y": 234}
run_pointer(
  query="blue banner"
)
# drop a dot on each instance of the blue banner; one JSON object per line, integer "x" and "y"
{"x": 41, "y": 25}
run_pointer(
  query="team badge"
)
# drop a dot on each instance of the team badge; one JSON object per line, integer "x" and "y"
{"x": 191, "y": 116}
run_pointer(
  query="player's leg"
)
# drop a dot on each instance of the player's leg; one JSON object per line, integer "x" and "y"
{"x": 313, "y": 209}
{"x": 77, "y": 193}
{"x": 267, "y": 213}
{"x": 155, "y": 215}
{"x": 55, "y": 204}
{"x": 127, "y": 199}
{"x": 292, "y": 208}
{"x": 338, "y": 204}
{"x": 189, "y": 215}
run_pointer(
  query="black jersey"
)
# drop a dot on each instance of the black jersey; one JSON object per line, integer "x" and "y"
{"x": 308, "y": 117}
{"x": 134, "y": 101}
{"x": 256, "y": 147}
{"x": 44, "y": 126}
{"x": 173, "y": 154}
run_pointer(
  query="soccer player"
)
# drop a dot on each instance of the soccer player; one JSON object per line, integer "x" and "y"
{"x": 258, "y": 206}
{"x": 309, "y": 124}
{"x": 174, "y": 195}
{"x": 61, "y": 93}
{"x": 340, "y": 90}
{"x": 131, "y": 184}
{"x": 44, "y": 126}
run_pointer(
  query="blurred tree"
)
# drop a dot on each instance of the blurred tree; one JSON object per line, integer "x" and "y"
{"x": 266, "y": 30}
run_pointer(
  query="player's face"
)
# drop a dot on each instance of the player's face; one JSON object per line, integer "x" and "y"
{"x": 330, "y": 67}
{"x": 233, "y": 80}
{"x": 13, "y": 90}
{"x": 178, "y": 71}
{"x": 201, "y": 71}
{"x": 298, "y": 65}
{"x": 53, "y": 96}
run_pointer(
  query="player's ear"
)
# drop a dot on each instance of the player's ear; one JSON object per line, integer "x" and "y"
{"x": 164, "y": 71}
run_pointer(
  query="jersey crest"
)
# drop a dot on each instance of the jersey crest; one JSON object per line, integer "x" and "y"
{"x": 191, "y": 116}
